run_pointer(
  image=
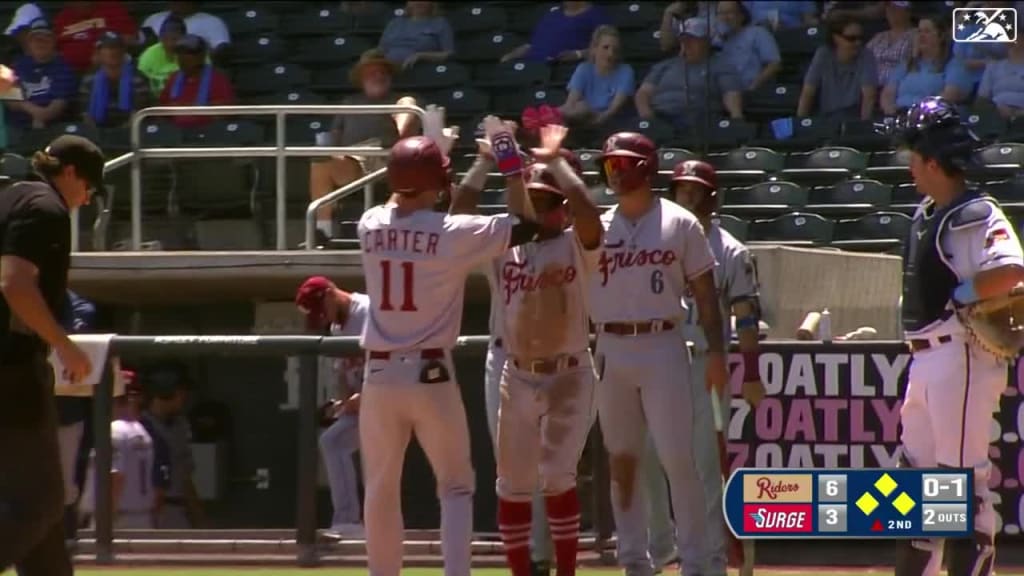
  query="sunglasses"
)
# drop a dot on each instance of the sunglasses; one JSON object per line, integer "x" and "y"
{"x": 619, "y": 164}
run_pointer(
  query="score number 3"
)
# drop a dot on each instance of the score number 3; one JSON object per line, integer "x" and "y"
{"x": 406, "y": 270}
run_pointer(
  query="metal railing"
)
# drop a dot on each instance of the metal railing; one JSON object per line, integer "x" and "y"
{"x": 280, "y": 151}
{"x": 336, "y": 195}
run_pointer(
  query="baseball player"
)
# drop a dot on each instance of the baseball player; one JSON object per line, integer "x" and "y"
{"x": 341, "y": 313}
{"x": 135, "y": 495}
{"x": 694, "y": 186}
{"x": 416, "y": 261}
{"x": 961, "y": 250}
{"x": 653, "y": 250}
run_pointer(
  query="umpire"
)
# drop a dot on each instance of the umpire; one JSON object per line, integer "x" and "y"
{"x": 35, "y": 253}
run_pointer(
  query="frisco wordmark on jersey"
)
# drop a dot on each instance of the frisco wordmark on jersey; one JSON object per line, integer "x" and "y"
{"x": 609, "y": 264}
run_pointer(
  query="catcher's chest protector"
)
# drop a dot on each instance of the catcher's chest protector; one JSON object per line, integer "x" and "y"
{"x": 928, "y": 279}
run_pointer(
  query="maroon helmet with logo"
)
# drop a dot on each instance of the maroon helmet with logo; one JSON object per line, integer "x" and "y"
{"x": 417, "y": 165}
{"x": 696, "y": 171}
{"x": 538, "y": 177}
{"x": 632, "y": 156}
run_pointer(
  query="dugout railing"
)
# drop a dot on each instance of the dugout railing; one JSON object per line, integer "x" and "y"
{"x": 307, "y": 349}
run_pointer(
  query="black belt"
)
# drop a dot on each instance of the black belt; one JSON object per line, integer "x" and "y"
{"x": 426, "y": 354}
{"x": 922, "y": 344}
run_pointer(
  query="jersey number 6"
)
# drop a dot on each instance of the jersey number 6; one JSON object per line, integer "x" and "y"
{"x": 406, "y": 271}
{"x": 657, "y": 281}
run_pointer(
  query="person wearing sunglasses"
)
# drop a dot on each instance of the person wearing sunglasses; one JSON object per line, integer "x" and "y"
{"x": 842, "y": 80}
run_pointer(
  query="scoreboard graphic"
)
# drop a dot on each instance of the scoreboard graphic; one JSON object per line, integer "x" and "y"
{"x": 848, "y": 503}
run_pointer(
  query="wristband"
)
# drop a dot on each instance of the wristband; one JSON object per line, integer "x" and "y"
{"x": 751, "y": 366}
{"x": 965, "y": 293}
{"x": 506, "y": 154}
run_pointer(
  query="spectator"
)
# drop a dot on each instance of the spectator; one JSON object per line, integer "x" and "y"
{"x": 48, "y": 83}
{"x": 842, "y": 79}
{"x": 600, "y": 88}
{"x": 751, "y": 50}
{"x": 24, "y": 16}
{"x": 977, "y": 55}
{"x": 931, "y": 71}
{"x": 680, "y": 91}
{"x": 197, "y": 82}
{"x": 562, "y": 34}
{"x": 372, "y": 76}
{"x": 116, "y": 89}
{"x": 860, "y": 11}
{"x": 1003, "y": 82}
{"x": 892, "y": 47}
{"x": 421, "y": 35}
{"x": 159, "y": 61}
{"x": 783, "y": 14}
{"x": 79, "y": 25}
{"x": 207, "y": 26}
{"x": 672, "y": 19}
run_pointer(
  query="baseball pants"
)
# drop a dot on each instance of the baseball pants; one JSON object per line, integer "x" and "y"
{"x": 31, "y": 486}
{"x": 661, "y": 530}
{"x": 640, "y": 389}
{"x": 395, "y": 406}
{"x": 540, "y": 532}
{"x": 69, "y": 438}
{"x": 338, "y": 443}
{"x": 709, "y": 463}
{"x": 953, "y": 389}
{"x": 174, "y": 516}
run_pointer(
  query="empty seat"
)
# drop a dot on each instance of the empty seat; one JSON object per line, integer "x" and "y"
{"x": 334, "y": 50}
{"x": 477, "y": 17}
{"x": 772, "y": 99}
{"x": 986, "y": 123}
{"x": 271, "y": 78}
{"x": 807, "y": 133}
{"x": 1001, "y": 160}
{"x": 797, "y": 44}
{"x": 228, "y": 133}
{"x": 302, "y": 131}
{"x": 825, "y": 165}
{"x": 14, "y": 166}
{"x": 513, "y": 103}
{"x": 850, "y": 196}
{"x": 511, "y": 74}
{"x": 374, "y": 20}
{"x": 321, "y": 21}
{"x": 527, "y": 15}
{"x": 746, "y": 165}
{"x": 488, "y": 47}
{"x": 669, "y": 157}
{"x": 588, "y": 159}
{"x": 334, "y": 79}
{"x": 727, "y": 133}
{"x": 1009, "y": 193}
{"x": 257, "y": 49}
{"x": 642, "y": 45}
{"x": 634, "y": 15}
{"x": 764, "y": 199}
{"x": 862, "y": 135}
{"x": 292, "y": 97}
{"x": 432, "y": 76}
{"x": 658, "y": 131}
{"x": 878, "y": 231}
{"x": 157, "y": 133}
{"x": 254, "y": 19}
{"x": 793, "y": 228}
{"x": 738, "y": 227}
{"x": 891, "y": 166}
{"x": 465, "y": 101}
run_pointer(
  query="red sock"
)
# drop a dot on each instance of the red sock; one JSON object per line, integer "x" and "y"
{"x": 514, "y": 525}
{"x": 564, "y": 518}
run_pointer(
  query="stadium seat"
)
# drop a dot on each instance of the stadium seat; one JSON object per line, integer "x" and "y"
{"x": 1009, "y": 193}
{"x": 477, "y": 17}
{"x": 634, "y": 15}
{"x": 808, "y": 133}
{"x": 513, "y": 103}
{"x": 270, "y": 78}
{"x": 986, "y": 123}
{"x": 527, "y": 16}
{"x": 659, "y": 132}
{"x": 771, "y": 100}
{"x": 825, "y": 165}
{"x": 332, "y": 80}
{"x": 466, "y": 101}
{"x": 512, "y": 74}
{"x": 157, "y": 133}
{"x": 764, "y": 199}
{"x": 227, "y": 133}
{"x": 257, "y": 49}
{"x": 862, "y": 135}
{"x": 432, "y": 76}
{"x": 799, "y": 44}
{"x": 726, "y": 133}
{"x": 793, "y": 228}
{"x": 588, "y": 158}
{"x": 875, "y": 232}
{"x": 905, "y": 198}
{"x": 669, "y": 157}
{"x": 851, "y": 196}
{"x": 889, "y": 166}
{"x": 642, "y": 45}
{"x": 292, "y": 97}
{"x": 374, "y": 21}
{"x": 735, "y": 225}
{"x": 1014, "y": 130}
{"x": 335, "y": 50}
{"x": 302, "y": 131}
{"x": 78, "y": 128}
{"x": 746, "y": 165}
{"x": 562, "y": 72}
{"x": 14, "y": 166}
{"x": 318, "y": 21}
{"x": 488, "y": 47}
{"x": 254, "y": 19}
{"x": 1001, "y": 160}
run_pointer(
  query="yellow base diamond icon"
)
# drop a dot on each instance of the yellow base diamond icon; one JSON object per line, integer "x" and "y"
{"x": 885, "y": 485}
{"x": 867, "y": 503}
{"x": 904, "y": 503}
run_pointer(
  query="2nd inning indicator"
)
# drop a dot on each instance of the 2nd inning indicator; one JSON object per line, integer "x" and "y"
{"x": 836, "y": 503}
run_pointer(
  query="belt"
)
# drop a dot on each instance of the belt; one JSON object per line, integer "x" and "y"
{"x": 921, "y": 344}
{"x": 425, "y": 354}
{"x": 497, "y": 343}
{"x": 637, "y": 328}
{"x": 546, "y": 365}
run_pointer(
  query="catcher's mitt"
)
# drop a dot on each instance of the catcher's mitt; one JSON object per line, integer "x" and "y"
{"x": 997, "y": 324}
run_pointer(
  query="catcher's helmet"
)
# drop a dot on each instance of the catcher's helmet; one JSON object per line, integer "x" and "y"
{"x": 632, "y": 156}
{"x": 933, "y": 128}
{"x": 416, "y": 165}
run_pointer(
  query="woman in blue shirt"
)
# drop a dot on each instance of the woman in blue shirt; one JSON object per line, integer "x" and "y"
{"x": 931, "y": 71}
{"x": 1003, "y": 82}
{"x": 600, "y": 87}
{"x": 420, "y": 35}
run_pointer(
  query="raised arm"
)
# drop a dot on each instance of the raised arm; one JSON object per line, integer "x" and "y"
{"x": 586, "y": 215}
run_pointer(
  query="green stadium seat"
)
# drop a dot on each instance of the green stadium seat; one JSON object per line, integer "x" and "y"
{"x": 465, "y": 101}
{"x": 432, "y": 76}
{"x": 527, "y": 16}
{"x": 1009, "y": 192}
{"x": 513, "y": 103}
{"x": 824, "y": 166}
{"x": 669, "y": 157}
{"x": 253, "y": 19}
{"x": 519, "y": 74}
{"x": 316, "y": 21}
{"x": 488, "y": 47}
{"x": 862, "y": 135}
{"x": 772, "y": 100}
{"x": 14, "y": 166}
{"x": 1001, "y": 160}
{"x": 659, "y": 132}
{"x": 334, "y": 50}
{"x": 764, "y": 199}
{"x": 797, "y": 44}
{"x": 734, "y": 225}
{"x": 257, "y": 49}
{"x": 271, "y": 78}
{"x": 851, "y": 196}
{"x": 746, "y": 165}
{"x": 889, "y": 166}
{"x": 228, "y": 133}
{"x": 634, "y": 15}
{"x": 875, "y": 232}
{"x": 797, "y": 228}
{"x": 986, "y": 123}
{"x": 293, "y": 97}
{"x": 642, "y": 45}
{"x": 477, "y": 17}
{"x": 302, "y": 131}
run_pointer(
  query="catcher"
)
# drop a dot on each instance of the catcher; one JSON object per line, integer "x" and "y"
{"x": 962, "y": 266}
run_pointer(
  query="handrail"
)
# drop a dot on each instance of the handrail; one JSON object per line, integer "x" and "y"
{"x": 334, "y": 196}
{"x": 280, "y": 151}
{"x": 109, "y": 165}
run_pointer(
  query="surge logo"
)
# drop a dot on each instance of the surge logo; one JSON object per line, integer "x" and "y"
{"x": 777, "y": 518}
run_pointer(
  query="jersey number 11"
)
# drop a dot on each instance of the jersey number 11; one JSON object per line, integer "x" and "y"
{"x": 406, "y": 271}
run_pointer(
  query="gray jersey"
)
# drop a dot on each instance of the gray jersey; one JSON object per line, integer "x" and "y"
{"x": 352, "y": 366}
{"x": 735, "y": 278}
{"x": 177, "y": 435}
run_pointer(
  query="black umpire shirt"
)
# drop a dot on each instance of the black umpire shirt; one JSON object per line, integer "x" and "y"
{"x": 35, "y": 226}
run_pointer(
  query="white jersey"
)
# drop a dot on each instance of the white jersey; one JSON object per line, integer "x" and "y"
{"x": 416, "y": 268}
{"x": 541, "y": 291}
{"x": 735, "y": 278}
{"x": 352, "y": 366}
{"x": 133, "y": 459}
{"x": 644, "y": 267}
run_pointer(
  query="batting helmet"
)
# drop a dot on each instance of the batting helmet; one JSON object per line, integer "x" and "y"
{"x": 933, "y": 128}
{"x": 696, "y": 171}
{"x": 573, "y": 160}
{"x": 632, "y": 156}
{"x": 416, "y": 165}
{"x": 538, "y": 177}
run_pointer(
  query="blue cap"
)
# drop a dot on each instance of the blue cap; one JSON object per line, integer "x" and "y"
{"x": 173, "y": 25}
{"x": 191, "y": 44}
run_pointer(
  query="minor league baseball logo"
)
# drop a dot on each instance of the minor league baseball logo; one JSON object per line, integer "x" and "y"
{"x": 985, "y": 25}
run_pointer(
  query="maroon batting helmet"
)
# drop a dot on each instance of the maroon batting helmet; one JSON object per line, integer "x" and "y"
{"x": 416, "y": 165}
{"x": 696, "y": 171}
{"x": 632, "y": 156}
{"x": 538, "y": 177}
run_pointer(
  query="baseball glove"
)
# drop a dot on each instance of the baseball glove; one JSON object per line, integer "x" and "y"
{"x": 997, "y": 324}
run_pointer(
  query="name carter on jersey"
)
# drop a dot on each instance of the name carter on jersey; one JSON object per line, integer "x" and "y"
{"x": 391, "y": 240}
{"x": 607, "y": 265}
{"x": 515, "y": 278}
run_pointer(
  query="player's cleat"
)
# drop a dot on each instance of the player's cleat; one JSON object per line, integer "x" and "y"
{"x": 345, "y": 532}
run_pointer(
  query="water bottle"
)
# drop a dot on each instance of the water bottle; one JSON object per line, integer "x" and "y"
{"x": 825, "y": 326}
